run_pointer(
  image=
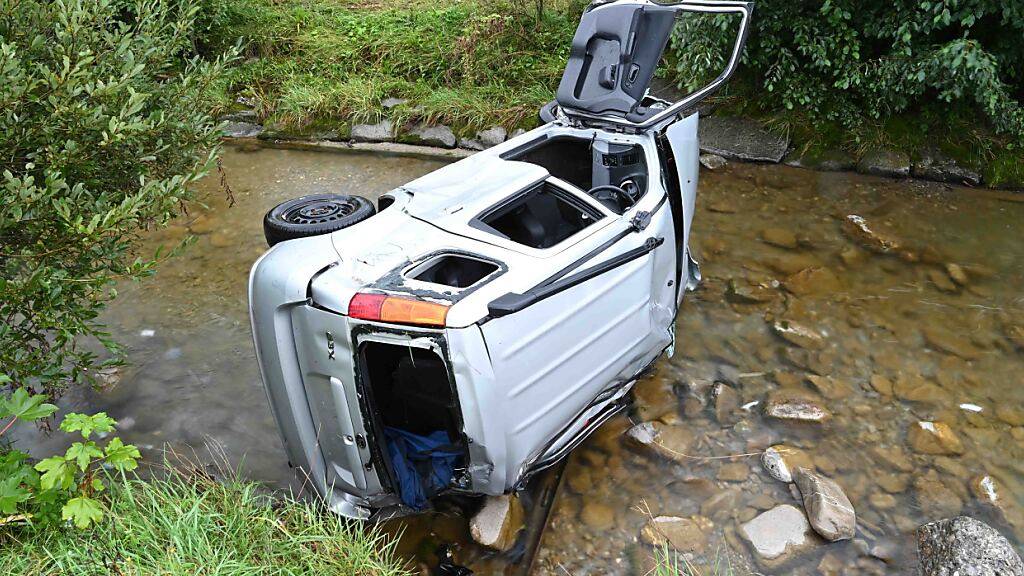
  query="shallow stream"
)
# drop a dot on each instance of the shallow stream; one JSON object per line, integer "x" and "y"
{"x": 930, "y": 331}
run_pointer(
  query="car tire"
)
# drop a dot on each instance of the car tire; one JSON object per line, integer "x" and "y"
{"x": 314, "y": 215}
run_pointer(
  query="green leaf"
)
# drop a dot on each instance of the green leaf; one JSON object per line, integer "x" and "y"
{"x": 83, "y": 511}
{"x": 12, "y": 493}
{"x": 57, "y": 473}
{"x": 122, "y": 456}
{"x": 21, "y": 404}
{"x": 86, "y": 424}
{"x": 83, "y": 453}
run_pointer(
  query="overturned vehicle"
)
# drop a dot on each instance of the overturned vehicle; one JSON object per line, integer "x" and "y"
{"x": 485, "y": 318}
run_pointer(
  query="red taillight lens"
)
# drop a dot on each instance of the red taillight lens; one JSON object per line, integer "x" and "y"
{"x": 397, "y": 310}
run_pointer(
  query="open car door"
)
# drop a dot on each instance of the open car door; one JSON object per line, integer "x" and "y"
{"x": 615, "y": 52}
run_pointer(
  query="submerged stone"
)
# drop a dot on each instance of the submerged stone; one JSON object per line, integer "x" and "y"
{"x": 780, "y": 461}
{"x": 815, "y": 280}
{"x": 857, "y": 229}
{"x": 683, "y": 534}
{"x": 828, "y": 509}
{"x": 798, "y": 334}
{"x": 934, "y": 438}
{"x": 670, "y": 442}
{"x": 795, "y": 405}
{"x": 712, "y": 161}
{"x": 780, "y": 237}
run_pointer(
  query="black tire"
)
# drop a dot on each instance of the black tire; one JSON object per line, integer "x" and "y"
{"x": 314, "y": 215}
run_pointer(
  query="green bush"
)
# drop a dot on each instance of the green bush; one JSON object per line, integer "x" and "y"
{"x": 845, "y": 61}
{"x": 104, "y": 122}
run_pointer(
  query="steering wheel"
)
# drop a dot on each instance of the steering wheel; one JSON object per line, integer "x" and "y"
{"x": 613, "y": 197}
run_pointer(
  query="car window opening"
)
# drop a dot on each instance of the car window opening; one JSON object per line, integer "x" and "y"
{"x": 588, "y": 163}
{"x": 413, "y": 402}
{"x": 453, "y": 270}
{"x": 539, "y": 218}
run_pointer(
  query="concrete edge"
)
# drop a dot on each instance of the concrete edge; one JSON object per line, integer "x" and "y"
{"x": 377, "y": 148}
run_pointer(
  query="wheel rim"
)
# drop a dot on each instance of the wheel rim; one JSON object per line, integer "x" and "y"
{"x": 321, "y": 211}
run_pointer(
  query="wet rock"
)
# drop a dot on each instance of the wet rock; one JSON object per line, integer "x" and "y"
{"x": 741, "y": 138}
{"x": 498, "y": 523}
{"x": 425, "y": 135}
{"x": 712, "y": 161}
{"x": 780, "y": 461}
{"x": 383, "y": 131}
{"x": 934, "y": 438}
{"x": 857, "y": 229}
{"x": 957, "y": 274}
{"x": 852, "y": 257}
{"x": 934, "y": 165}
{"x": 733, "y": 472}
{"x": 816, "y": 280}
{"x": 236, "y": 129}
{"x": 963, "y": 546}
{"x": 825, "y": 160}
{"x": 941, "y": 281}
{"x": 108, "y": 377}
{"x": 1011, "y": 414}
{"x": 828, "y": 509}
{"x": 683, "y": 534}
{"x": 893, "y": 483}
{"x": 830, "y": 565}
{"x": 883, "y": 162}
{"x": 720, "y": 503}
{"x": 881, "y": 384}
{"x": 671, "y": 442}
{"x": 798, "y": 334}
{"x": 882, "y": 501}
{"x": 949, "y": 342}
{"x": 727, "y": 403}
{"x": 653, "y": 398}
{"x": 795, "y": 406}
{"x": 778, "y": 534}
{"x": 779, "y": 237}
{"x": 894, "y": 456}
{"x": 830, "y": 387}
{"x": 739, "y": 292}
{"x": 791, "y": 262}
{"x": 935, "y": 498}
{"x": 597, "y": 516}
{"x": 912, "y": 388}
{"x": 579, "y": 479}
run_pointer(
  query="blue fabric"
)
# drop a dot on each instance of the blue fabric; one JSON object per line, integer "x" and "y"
{"x": 423, "y": 465}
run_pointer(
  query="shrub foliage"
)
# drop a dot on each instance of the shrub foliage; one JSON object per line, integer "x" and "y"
{"x": 844, "y": 61}
{"x": 104, "y": 121}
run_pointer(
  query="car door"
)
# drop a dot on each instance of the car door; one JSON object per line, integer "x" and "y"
{"x": 553, "y": 357}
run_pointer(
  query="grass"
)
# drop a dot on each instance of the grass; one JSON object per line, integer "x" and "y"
{"x": 668, "y": 563}
{"x": 468, "y": 64}
{"x": 189, "y": 524}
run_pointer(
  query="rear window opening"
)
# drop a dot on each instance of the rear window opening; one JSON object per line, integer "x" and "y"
{"x": 453, "y": 270}
{"x": 539, "y": 218}
{"x": 563, "y": 157}
{"x": 416, "y": 410}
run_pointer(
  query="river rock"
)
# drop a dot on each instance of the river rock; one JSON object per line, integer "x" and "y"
{"x": 815, "y": 280}
{"x": 739, "y": 292}
{"x": 727, "y": 403}
{"x": 884, "y": 162}
{"x": 795, "y": 405}
{"x": 1011, "y": 414}
{"x": 830, "y": 387}
{"x": 857, "y": 229}
{"x": 780, "y": 461}
{"x": 778, "y": 534}
{"x": 683, "y": 534}
{"x": 788, "y": 263}
{"x": 779, "y": 237}
{"x": 946, "y": 341}
{"x": 935, "y": 498}
{"x": 426, "y": 135}
{"x": 957, "y": 274}
{"x": 741, "y": 138}
{"x": 236, "y": 129}
{"x": 384, "y": 131}
{"x": 712, "y": 161}
{"x": 733, "y": 472}
{"x": 881, "y": 384}
{"x": 828, "y": 509}
{"x": 798, "y": 334}
{"x": 934, "y": 165}
{"x": 914, "y": 388}
{"x": 498, "y": 523}
{"x": 671, "y": 442}
{"x": 933, "y": 438}
{"x": 963, "y": 546}
{"x": 597, "y": 515}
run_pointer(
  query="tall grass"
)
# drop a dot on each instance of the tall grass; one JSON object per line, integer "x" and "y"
{"x": 189, "y": 524}
{"x": 467, "y": 64}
